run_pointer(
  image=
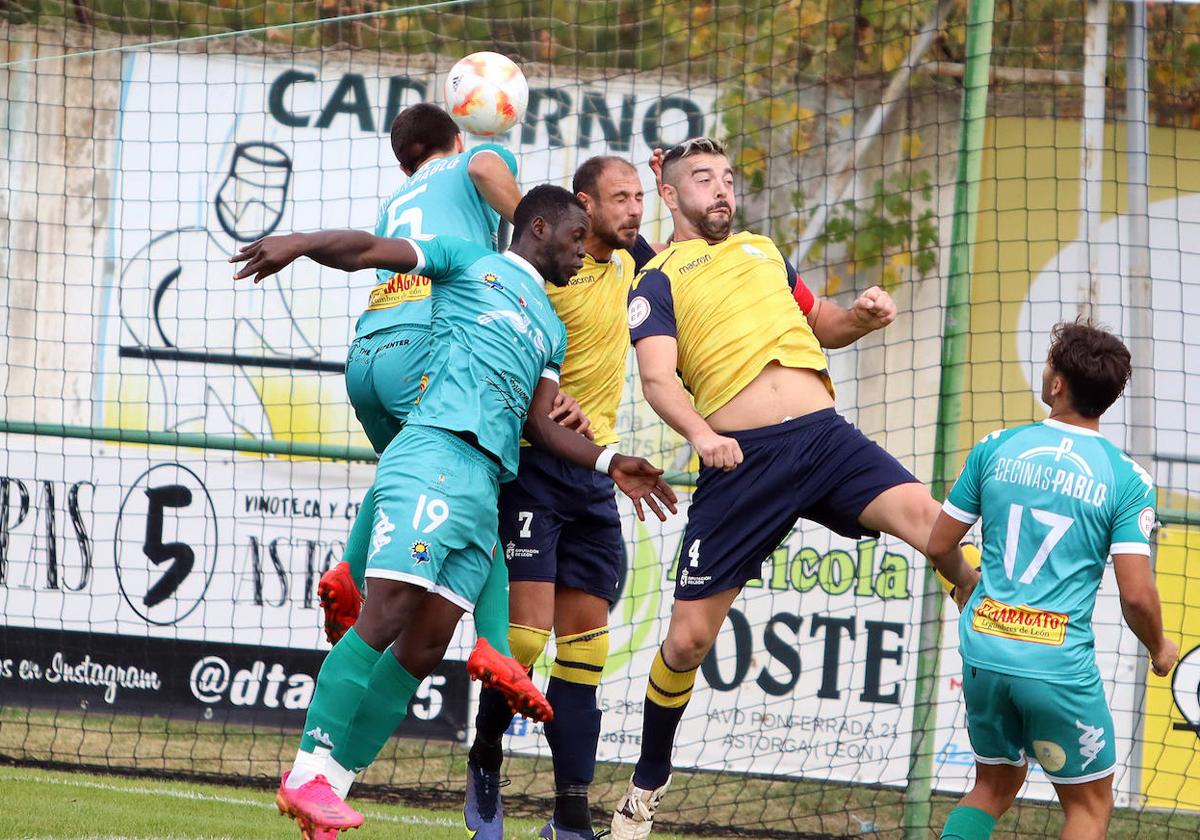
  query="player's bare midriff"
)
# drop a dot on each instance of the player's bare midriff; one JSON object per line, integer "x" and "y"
{"x": 777, "y": 394}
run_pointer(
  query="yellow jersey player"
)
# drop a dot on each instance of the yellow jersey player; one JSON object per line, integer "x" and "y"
{"x": 729, "y": 313}
{"x": 559, "y": 527}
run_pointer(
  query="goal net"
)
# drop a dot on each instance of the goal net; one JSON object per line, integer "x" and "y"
{"x": 179, "y": 462}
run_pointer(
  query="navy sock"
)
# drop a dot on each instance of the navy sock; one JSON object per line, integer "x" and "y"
{"x": 491, "y": 722}
{"x": 658, "y": 739}
{"x": 572, "y": 736}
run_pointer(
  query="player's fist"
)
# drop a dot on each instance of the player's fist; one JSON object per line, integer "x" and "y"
{"x": 268, "y": 256}
{"x": 874, "y": 309}
{"x": 641, "y": 481}
{"x": 717, "y": 450}
{"x": 1163, "y": 659}
{"x": 569, "y": 414}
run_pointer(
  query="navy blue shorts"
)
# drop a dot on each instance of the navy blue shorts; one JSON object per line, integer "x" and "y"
{"x": 817, "y": 467}
{"x": 559, "y": 524}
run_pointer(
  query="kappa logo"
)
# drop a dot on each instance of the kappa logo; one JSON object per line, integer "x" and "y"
{"x": 1091, "y": 742}
{"x": 379, "y": 534}
{"x": 319, "y": 735}
{"x": 420, "y": 552}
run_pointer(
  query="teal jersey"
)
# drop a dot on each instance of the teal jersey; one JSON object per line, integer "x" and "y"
{"x": 495, "y": 335}
{"x": 1056, "y": 500}
{"x": 439, "y": 199}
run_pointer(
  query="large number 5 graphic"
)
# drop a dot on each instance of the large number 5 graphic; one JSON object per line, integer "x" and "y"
{"x": 1058, "y": 524}
{"x": 158, "y": 552}
{"x": 409, "y": 217}
{"x": 437, "y": 510}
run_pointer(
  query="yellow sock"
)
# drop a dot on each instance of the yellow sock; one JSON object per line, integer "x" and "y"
{"x": 667, "y": 687}
{"x": 581, "y": 657}
{"x": 527, "y": 643}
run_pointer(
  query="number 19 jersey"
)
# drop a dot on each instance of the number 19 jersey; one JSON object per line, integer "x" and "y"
{"x": 1056, "y": 500}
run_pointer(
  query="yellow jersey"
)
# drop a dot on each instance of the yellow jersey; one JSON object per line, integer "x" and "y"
{"x": 733, "y": 307}
{"x": 592, "y": 306}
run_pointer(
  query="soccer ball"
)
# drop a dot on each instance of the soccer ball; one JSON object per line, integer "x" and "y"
{"x": 486, "y": 94}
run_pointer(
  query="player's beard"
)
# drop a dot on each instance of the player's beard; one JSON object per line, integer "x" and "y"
{"x": 612, "y": 237}
{"x": 713, "y": 226}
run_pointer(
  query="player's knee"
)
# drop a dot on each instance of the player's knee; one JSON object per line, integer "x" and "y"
{"x": 687, "y": 644}
{"x": 581, "y": 656}
{"x": 385, "y": 613}
{"x": 527, "y": 643}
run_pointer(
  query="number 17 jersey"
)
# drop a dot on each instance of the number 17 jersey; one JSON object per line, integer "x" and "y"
{"x": 1056, "y": 500}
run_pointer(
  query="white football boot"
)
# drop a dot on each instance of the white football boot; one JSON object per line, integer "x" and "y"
{"x": 634, "y": 817}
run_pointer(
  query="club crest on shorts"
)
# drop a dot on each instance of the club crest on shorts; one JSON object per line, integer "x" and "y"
{"x": 420, "y": 551}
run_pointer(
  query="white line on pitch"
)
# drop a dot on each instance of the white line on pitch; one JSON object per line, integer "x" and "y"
{"x": 406, "y": 819}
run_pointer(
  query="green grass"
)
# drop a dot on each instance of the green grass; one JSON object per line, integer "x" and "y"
{"x": 411, "y": 791}
{"x": 55, "y": 805}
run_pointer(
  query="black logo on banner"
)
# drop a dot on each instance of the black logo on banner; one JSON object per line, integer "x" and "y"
{"x": 166, "y": 544}
{"x": 197, "y": 680}
{"x": 1185, "y": 688}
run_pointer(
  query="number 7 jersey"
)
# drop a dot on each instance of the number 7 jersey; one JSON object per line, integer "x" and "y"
{"x": 1056, "y": 500}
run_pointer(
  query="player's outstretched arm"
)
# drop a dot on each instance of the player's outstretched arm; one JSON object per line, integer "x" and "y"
{"x": 345, "y": 250}
{"x": 657, "y": 356}
{"x": 495, "y": 183}
{"x": 1142, "y": 609}
{"x": 638, "y": 479}
{"x": 947, "y": 557}
{"x": 837, "y": 327}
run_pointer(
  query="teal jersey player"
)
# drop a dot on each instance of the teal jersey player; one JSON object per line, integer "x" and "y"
{"x": 495, "y": 334}
{"x": 439, "y": 199}
{"x": 1056, "y": 500}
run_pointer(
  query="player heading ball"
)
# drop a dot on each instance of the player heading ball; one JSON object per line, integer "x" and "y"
{"x": 729, "y": 312}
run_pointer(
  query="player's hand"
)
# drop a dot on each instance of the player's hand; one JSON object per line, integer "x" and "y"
{"x": 717, "y": 450}
{"x": 268, "y": 256}
{"x": 641, "y": 481}
{"x": 568, "y": 413}
{"x": 962, "y": 594}
{"x": 656, "y": 165}
{"x": 874, "y": 309}
{"x": 1163, "y": 659}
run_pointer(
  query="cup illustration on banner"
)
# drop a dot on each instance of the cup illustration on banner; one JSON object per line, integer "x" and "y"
{"x": 1185, "y": 687}
{"x": 198, "y": 353}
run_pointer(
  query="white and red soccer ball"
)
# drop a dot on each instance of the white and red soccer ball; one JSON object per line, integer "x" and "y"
{"x": 486, "y": 94}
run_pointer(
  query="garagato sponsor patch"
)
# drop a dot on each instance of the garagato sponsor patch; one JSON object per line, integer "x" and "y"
{"x": 1024, "y": 624}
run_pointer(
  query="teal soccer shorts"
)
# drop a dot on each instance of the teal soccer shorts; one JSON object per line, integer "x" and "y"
{"x": 383, "y": 379}
{"x": 435, "y": 519}
{"x": 1066, "y": 727}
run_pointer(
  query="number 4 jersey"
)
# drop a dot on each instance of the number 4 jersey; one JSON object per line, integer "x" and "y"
{"x": 1056, "y": 500}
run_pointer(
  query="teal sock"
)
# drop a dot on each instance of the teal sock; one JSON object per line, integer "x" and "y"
{"x": 967, "y": 823}
{"x": 379, "y": 712}
{"x": 343, "y": 680}
{"x": 358, "y": 543}
{"x": 491, "y": 609}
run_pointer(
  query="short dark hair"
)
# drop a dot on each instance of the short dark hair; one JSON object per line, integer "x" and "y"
{"x": 547, "y": 202}
{"x": 419, "y": 131}
{"x": 1095, "y": 364}
{"x": 588, "y": 175}
{"x": 695, "y": 146}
